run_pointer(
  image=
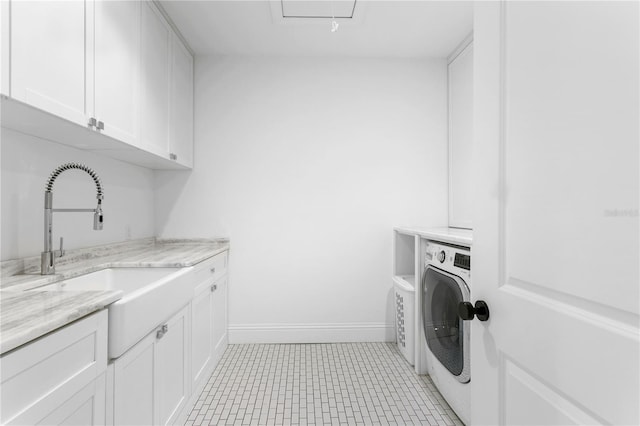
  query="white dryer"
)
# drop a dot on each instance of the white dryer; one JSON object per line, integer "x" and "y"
{"x": 446, "y": 337}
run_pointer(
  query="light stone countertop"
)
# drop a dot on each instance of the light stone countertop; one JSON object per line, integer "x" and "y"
{"x": 463, "y": 237}
{"x": 27, "y": 315}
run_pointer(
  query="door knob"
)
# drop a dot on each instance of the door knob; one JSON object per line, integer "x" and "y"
{"x": 467, "y": 311}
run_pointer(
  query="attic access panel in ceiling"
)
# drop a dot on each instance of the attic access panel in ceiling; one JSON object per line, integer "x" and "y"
{"x": 318, "y": 8}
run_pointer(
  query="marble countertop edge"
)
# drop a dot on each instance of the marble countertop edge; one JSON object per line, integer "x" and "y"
{"x": 26, "y": 323}
{"x": 27, "y": 315}
{"x": 161, "y": 254}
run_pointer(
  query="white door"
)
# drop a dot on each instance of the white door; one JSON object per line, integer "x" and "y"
{"x": 154, "y": 81}
{"x": 117, "y": 60}
{"x": 556, "y": 231}
{"x": 51, "y": 42}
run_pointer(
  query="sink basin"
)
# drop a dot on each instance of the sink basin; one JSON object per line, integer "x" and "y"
{"x": 151, "y": 296}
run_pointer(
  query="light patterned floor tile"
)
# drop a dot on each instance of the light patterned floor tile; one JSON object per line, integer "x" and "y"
{"x": 319, "y": 384}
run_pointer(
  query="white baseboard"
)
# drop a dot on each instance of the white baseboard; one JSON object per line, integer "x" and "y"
{"x": 311, "y": 333}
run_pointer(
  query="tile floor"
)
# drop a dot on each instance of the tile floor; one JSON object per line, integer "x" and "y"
{"x": 319, "y": 384}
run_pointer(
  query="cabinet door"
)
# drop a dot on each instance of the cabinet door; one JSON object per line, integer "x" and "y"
{"x": 220, "y": 317}
{"x": 172, "y": 374}
{"x": 134, "y": 384}
{"x": 87, "y": 407}
{"x": 45, "y": 374}
{"x": 117, "y": 58}
{"x": 154, "y": 82}
{"x": 5, "y": 48}
{"x": 461, "y": 139}
{"x": 202, "y": 332}
{"x": 51, "y": 42}
{"x": 181, "y": 143}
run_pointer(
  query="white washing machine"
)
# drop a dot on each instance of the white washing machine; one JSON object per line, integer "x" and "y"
{"x": 445, "y": 337}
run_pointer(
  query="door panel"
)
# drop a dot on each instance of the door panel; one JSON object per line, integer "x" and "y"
{"x": 220, "y": 314}
{"x": 571, "y": 149}
{"x": 135, "y": 385}
{"x": 556, "y": 239}
{"x": 86, "y": 407}
{"x": 542, "y": 404}
{"x": 182, "y": 103}
{"x": 202, "y": 333}
{"x": 117, "y": 59}
{"x": 172, "y": 372}
{"x": 49, "y": 56}
{"x": 154, "y": 81}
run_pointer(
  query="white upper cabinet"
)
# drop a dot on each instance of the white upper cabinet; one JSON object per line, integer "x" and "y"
{"x": 181, "y": 132}
{"x": 461, "y": 138}
{"x": 5, "y": 47}
{"x": 117, "y": 57}
{"x": 115, "y": 67}
{"x": 155, "y": 80}
{"x": 50, "y": 56}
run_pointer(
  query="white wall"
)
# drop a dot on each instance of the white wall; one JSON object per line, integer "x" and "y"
{"x": 26, "y": 165}
{"x": 306, "y": 164}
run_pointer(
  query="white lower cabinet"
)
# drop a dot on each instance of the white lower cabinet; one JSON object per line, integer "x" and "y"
{"x": 202, "y": 331}
{"x": 209, "y": 329}
{"x": 151, "y": 380}
{"x": 63, "y": 378}
{"x": 59, "y": 378}
{"x": 134, "y": 385}
{"x": 158, "y": 380}
{"x": 86, "y": 407}
{"x": 220, "y": 321}
{"x": 172, "y": 355}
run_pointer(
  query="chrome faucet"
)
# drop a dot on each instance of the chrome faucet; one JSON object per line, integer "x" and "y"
{"x": 47, "y": 258}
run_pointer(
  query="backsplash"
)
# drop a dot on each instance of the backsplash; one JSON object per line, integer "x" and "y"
{"x": 27, "y": 162}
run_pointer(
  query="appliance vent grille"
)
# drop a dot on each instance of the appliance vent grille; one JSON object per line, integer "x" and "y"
{"x": 400, "y": 319}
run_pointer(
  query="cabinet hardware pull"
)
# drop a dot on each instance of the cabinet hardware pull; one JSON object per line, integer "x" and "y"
{"x": 100, "y": 125}
{"x": 213, "y": 270}
{"x": 173, "y": 156}
{"x": 92, "y": 122}
{"x": 214, "y": 288}
{"x": 163, "y": 330}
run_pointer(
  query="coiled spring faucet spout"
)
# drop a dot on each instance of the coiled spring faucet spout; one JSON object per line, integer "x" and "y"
{"x": 47, "y": 258}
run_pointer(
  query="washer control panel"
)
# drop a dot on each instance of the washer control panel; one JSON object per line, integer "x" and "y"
{"x": 451, "y": 258}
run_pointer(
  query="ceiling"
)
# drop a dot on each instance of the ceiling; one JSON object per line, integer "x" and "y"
{"x": 378, "y": 28}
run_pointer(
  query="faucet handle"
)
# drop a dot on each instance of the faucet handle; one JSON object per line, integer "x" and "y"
{"x": 61, "y": 247}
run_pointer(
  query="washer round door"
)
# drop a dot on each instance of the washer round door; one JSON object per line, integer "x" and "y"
{"x": 446, "y": 334}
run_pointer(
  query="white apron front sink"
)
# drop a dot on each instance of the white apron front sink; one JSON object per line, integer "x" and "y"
{"x": 151, "y": 296}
